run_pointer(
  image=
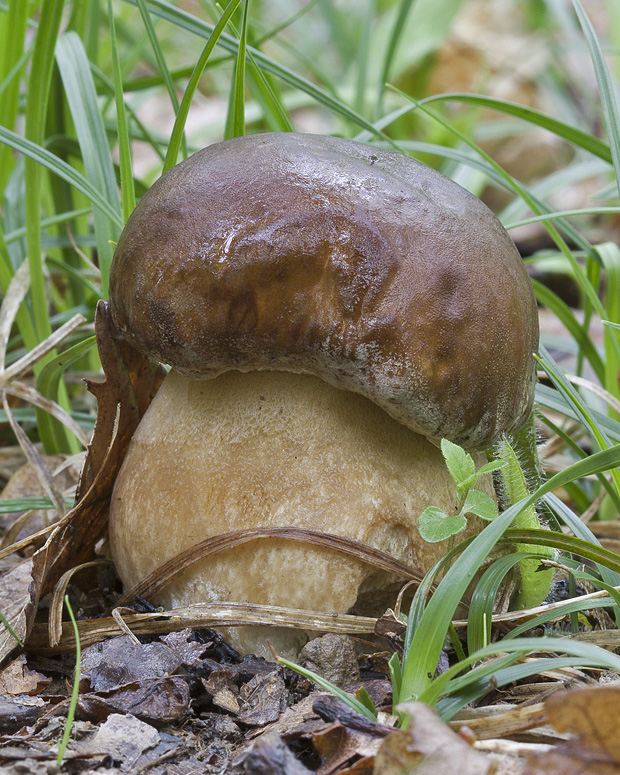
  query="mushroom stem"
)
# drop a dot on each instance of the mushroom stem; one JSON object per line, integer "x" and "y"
{"x": 274, "y": 449}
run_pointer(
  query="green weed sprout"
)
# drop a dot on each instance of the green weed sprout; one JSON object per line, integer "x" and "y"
{"x": 433, "y": 523}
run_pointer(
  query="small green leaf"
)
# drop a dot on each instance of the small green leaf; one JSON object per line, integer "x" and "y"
{"x": 460, "y": 463}
{"x": 487, "y": 468}
{"x": 466, "y": 484}
{"x": 435, "y": 525}
{"x": 362, "y": 696}
{"x": 480, "y": 504}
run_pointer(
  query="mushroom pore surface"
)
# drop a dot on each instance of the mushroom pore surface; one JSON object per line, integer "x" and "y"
{"x": 271, "y": 449}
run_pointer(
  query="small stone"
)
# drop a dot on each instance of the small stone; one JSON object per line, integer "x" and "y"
{"x": 332, "y": 657}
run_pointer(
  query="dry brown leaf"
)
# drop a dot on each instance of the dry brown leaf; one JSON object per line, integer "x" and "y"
{"x": 430, "y": 745}
{"x": 119, "y": 661}
{"x": 17, "y": 678}
{"x": 18, "y": 712}
{"x": 269, "y": 754}
{"x": 14, "y": 597}
{"x": 24, "y": 482}
{"x": 131, "y": 382}
{"x": 124, "y": 739}
{"x": 592, "y": 717}
{"x": 157, "y": 701}
{"x": 342, "y": 748}
{"x": 262, "y": 699}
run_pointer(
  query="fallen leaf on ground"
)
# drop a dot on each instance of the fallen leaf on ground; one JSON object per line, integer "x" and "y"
{"x": 14, "y": 597}
{"x": 592, "y": 717}
{"x": 269, "y": 754}
{"x": 430, "y": 746}
{"x": 158, "y": 701}
{"x": 24, "y": 483}
{"x": 339, "y": 746}
{"x": 17, "y": 678}
{"x": 131, "y": 382}
{"x": 119, "y": 661}
{"x": 123, "y": 738}
{"x": 262, "y": 699}
{"x": 18, "y": 712}
{"x": 188, "y": 651}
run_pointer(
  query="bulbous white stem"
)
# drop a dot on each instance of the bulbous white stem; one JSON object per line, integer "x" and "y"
{"x": 274, "y": 449}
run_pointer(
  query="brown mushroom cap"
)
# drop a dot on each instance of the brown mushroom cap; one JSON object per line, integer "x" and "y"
{"x": 318, "y": 255}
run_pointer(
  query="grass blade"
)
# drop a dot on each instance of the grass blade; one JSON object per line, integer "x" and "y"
{"x": 237, "y": 108}
{"x": 566, "y": 316}
{"x": 433, "y": 626}
{"x": 161, "y": 61}
{"x": 179, "y": 124}
{"x": 48, "y": 383}
{"x": 62, "y": 746}
{"x": 605, "y": 87}
{"x": 36, "y": 111}
{"x": 59, "y": 167}
{"x": 82, "y": 97}
{"x": 186, "y": 21}
{"x": 12, "y": 59}
{"x": 569, "y": 133}
{"x": 128, "y": 192}
{"x": 594, "y": 655}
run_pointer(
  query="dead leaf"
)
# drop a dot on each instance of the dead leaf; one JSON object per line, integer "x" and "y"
{"x": 120, "y": 661}
{"x": 131, "y": 382}
{"x": 123, "y": 738}
{"x": 188, "y": 650}
{"x": 339, "y": 746}
{"x": 296, "y": 721}
{"x": 14, "y": 597}
{"x": 592, "y": 717}
{"x": 269, "y": 754}
{"x": 17, "y": 678}
{"x": 158, "y": 701}
{"x": 262, "y": 699}
{"x": 428, "y": 744}
{"x": 24, "y": 483}
{"x": 18, "y": 712}
{"x": 222, "y": 690}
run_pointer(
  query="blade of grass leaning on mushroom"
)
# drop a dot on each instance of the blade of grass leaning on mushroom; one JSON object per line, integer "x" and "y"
{"x": 330, "y": 311}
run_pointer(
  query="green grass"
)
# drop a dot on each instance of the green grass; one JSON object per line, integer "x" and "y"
{"x": 75, "y": 690}
{"x": 79, "y": 144}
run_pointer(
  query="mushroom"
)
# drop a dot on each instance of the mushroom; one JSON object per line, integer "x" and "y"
{"x": 330, "y": 311}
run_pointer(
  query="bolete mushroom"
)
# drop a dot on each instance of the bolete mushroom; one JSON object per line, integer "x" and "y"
{"x": 330, "y": 311}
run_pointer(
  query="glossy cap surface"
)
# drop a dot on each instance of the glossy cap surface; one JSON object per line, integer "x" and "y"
{"x": 317, "y": 255}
